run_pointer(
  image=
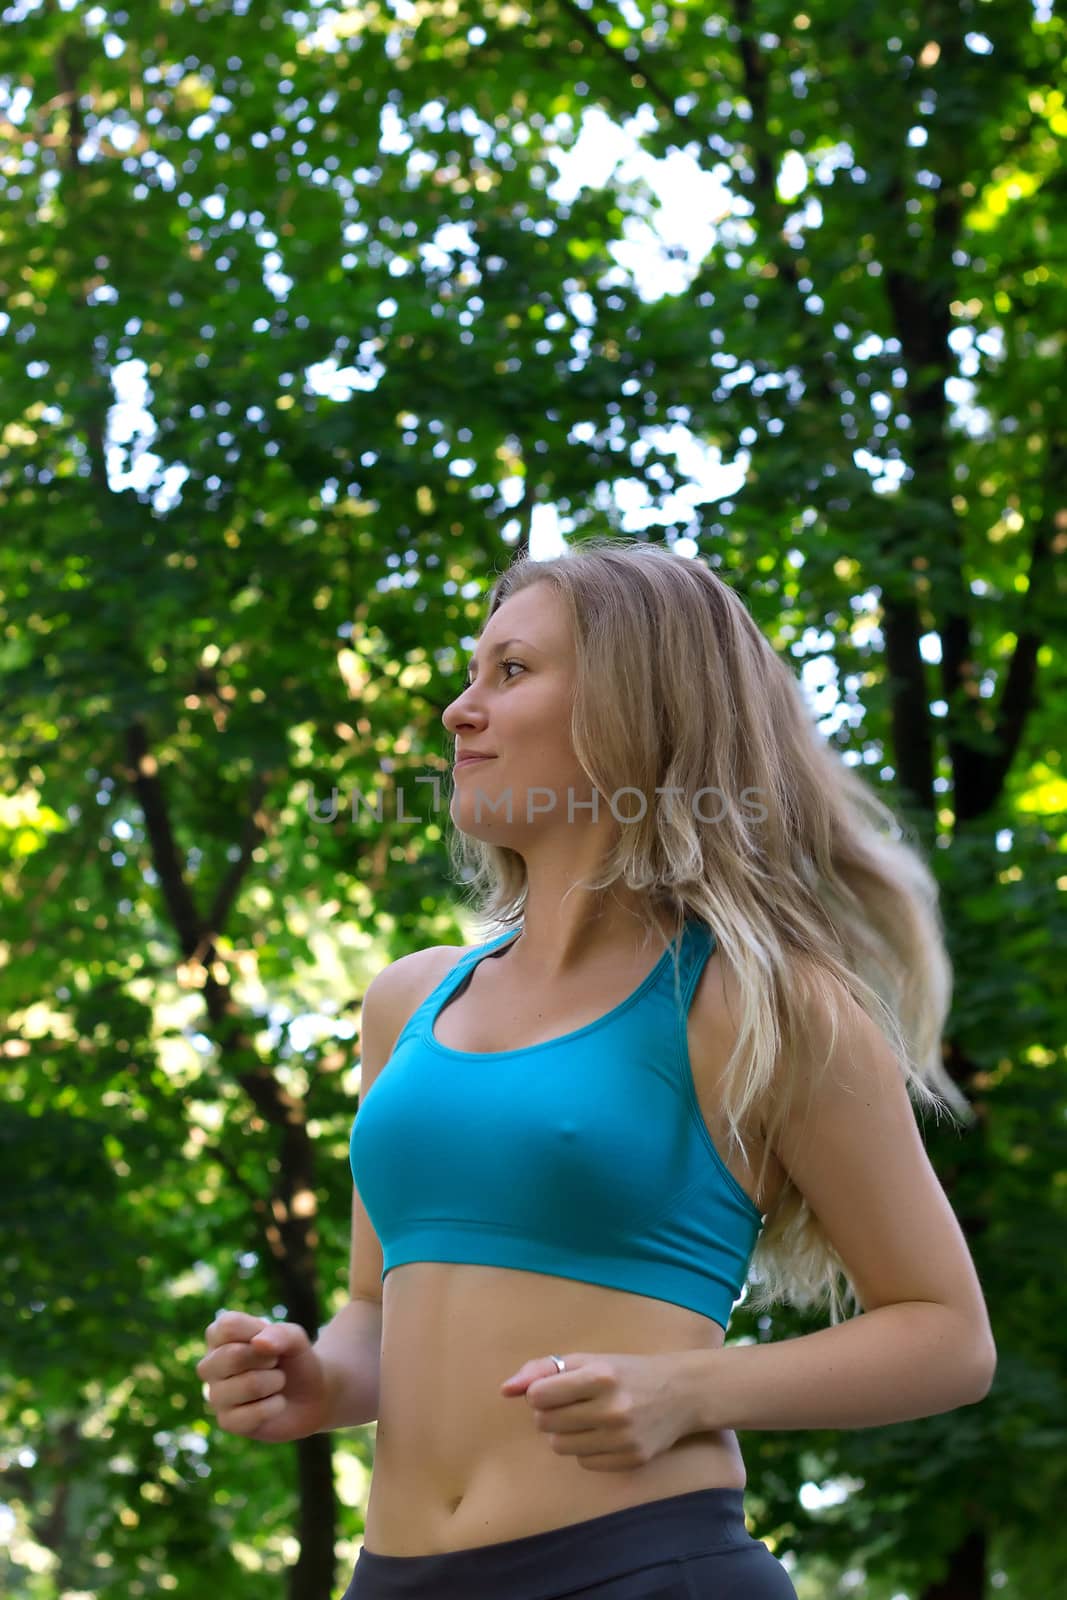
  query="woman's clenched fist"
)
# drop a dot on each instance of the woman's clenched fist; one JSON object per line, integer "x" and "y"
{"x": 265, "y": 1380}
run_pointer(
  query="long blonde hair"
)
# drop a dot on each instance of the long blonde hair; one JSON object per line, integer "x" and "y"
{"x": 816, "y": 884}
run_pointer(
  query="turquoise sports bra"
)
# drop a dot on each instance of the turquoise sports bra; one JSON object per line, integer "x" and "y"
{"x": 583, "y": 1157}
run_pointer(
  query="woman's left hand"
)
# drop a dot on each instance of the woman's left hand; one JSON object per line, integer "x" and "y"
{"x": 613, "y": 1412}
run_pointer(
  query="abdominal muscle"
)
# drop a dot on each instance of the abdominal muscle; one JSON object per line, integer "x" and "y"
{"x": 458, "y": 1464}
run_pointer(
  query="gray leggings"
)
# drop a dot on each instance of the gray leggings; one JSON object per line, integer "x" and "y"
{"x": 688, "y": 1547}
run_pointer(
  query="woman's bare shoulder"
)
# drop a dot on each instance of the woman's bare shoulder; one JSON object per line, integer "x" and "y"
{"x": 396, "y": 992}
{"x": 418, "y": 964}
{"x": 414, "y": 976}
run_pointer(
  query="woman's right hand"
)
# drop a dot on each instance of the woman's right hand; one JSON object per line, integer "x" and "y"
{"x": 265, "y": 1380}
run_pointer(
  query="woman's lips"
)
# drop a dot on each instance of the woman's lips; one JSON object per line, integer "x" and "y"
{"x": 469, "y": 761}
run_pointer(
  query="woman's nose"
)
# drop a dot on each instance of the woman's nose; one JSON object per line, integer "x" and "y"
{"x": 458, "y": 711}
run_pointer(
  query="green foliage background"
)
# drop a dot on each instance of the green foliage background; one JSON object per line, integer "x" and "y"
{"x": 236, "y": 196}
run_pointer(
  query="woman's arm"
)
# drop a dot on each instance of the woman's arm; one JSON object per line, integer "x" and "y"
{"x": 350, "y": 1350}
{"x": 923, "y": 1343}
{"x": 892, "y": 1364}
{"x": 350, "y": 1345}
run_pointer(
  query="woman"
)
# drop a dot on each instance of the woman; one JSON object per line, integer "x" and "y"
{"x": 689, "y": 1054}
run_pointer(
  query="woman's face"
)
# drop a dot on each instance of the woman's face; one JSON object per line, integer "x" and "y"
{"x": 517, "y": 709}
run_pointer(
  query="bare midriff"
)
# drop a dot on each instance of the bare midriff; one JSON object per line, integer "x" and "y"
{"x": 456, "y": 1463}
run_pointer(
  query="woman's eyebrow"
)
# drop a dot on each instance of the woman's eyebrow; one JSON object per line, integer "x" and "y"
{"x": 472, "y": 665}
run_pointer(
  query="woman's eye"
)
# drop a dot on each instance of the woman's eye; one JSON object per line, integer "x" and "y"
{"x": 507, "y": 662}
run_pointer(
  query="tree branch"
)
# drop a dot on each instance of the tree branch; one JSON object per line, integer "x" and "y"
{"x": 147, "y": 785}
{"x": 1018, "y": 695}
{"x": 255, "y": 829}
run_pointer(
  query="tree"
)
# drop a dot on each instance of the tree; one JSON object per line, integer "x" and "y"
{"x": 196, "y": 654}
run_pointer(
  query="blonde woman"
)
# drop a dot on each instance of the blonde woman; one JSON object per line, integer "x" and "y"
{"x": 684, "y": 1068}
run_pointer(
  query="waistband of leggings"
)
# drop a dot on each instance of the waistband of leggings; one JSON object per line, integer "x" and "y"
{"x": 599, "y": 1548}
